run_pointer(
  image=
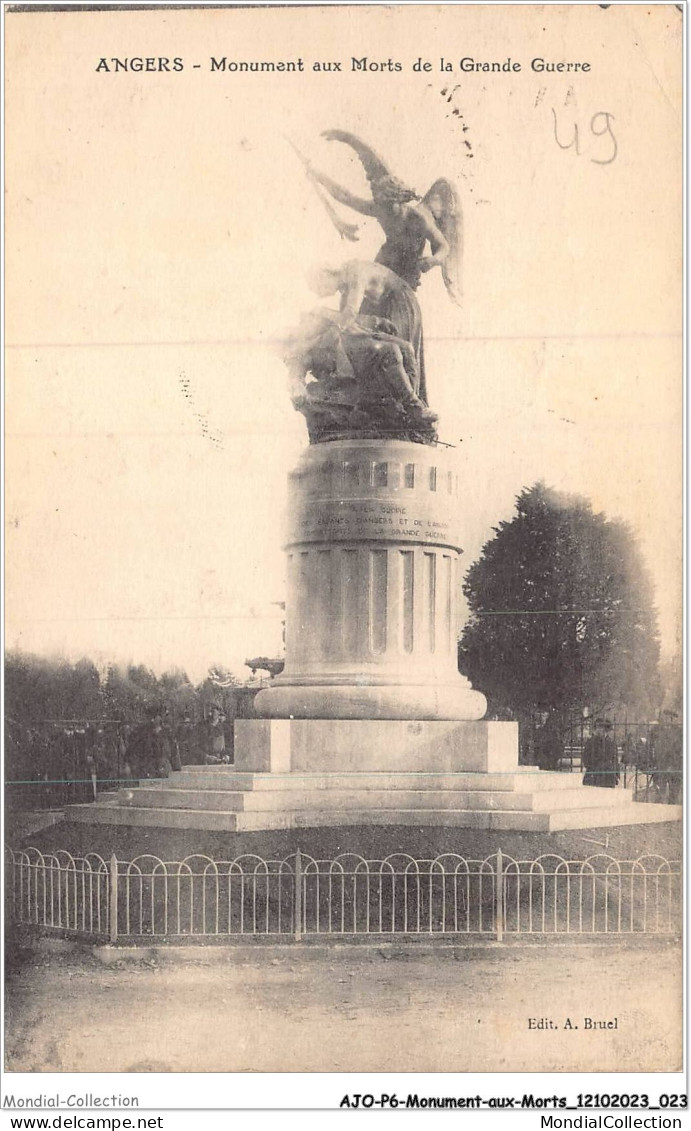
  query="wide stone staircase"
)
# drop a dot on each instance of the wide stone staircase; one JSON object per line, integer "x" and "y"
{"x": 221, "y": 798}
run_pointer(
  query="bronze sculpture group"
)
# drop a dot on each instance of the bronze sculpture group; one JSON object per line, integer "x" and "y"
{"x": 359, "y": 371}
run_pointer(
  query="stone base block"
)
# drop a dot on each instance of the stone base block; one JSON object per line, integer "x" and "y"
{"x": 359, "y": 746}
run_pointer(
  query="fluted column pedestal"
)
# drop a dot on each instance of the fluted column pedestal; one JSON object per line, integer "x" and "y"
{"x": 372, "y": 612}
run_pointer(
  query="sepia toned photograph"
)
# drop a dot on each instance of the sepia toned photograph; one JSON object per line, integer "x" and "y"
{"x": 343, "y": 683}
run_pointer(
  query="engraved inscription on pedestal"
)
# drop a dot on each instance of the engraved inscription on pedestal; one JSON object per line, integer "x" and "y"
{"x": 392, "y": 491}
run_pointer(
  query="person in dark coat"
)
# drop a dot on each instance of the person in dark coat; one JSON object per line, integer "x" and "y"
{"x": 600, "y": 758}
{"x": 188, "y": 742}
{"x": 149, "y": 752}
{"x": 214, "y": 738}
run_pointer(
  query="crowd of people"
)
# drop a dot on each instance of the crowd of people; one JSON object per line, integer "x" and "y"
{"x": 154, "y": 749}
{"x": 56, "y": 763}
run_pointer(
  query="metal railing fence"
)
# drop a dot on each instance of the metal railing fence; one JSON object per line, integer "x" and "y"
{"x": 200, "y": 899}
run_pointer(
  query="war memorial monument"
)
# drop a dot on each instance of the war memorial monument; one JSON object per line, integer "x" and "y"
{"x": 371, "y": 723}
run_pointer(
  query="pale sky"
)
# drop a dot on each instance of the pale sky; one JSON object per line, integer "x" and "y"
{"x": 159, "y": 228}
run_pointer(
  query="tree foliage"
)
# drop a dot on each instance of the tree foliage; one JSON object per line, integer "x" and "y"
{"x": 39, "y": 689}
{"x": 561, "y": 611}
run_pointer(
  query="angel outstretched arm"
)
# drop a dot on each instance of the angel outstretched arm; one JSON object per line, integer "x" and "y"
{"x": 343, "y": 195}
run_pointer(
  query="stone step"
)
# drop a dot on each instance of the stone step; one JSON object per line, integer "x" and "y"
{"x": 202, "y": 768}
{"x": 202, "y": 799}
{"x": 460, "y": 818}
{"x": 587, "y": 797}
{"x": 638, "y": 813}
{"x": 141, "y": 817}
{"x": 526, "y": 779}
{"x": 451, "y": 818}
{"x": 309, "y": 799}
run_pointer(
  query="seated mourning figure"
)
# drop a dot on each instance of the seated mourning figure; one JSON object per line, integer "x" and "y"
{"x": 359, "y": 371}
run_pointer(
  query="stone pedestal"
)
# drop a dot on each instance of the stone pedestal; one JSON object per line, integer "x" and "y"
{"x": 372, "y": 611}
{"x": 358, "y": 746}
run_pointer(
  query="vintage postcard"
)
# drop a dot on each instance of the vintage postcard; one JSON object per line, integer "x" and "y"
{"x": 343, "y": 553}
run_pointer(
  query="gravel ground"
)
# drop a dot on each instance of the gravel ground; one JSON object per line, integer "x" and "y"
{"x": 348, "y": 1009}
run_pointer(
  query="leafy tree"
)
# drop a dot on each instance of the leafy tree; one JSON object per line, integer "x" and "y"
{"x": 83, "y": 697}
{"x": 562, "y": 613}
{"x": 20, "y": 687}
{"x": 143, "y": 679}
{"x": 177, "y": 693}
{"x": 672, "y": 680}
{"x": 39, "y": 688}
{"x": 123, "y": 699}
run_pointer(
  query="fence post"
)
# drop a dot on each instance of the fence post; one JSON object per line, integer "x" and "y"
{"x": 113, "y": 898}
{"x": 499, "y": 897}
{"x": 298, "y": 896}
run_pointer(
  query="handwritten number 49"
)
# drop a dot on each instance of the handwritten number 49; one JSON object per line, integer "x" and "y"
{"x": 600, "y": 127}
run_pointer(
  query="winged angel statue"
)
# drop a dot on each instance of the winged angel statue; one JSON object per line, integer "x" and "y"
{"x": 360, "y": 371}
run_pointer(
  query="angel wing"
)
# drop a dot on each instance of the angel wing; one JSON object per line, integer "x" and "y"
{"x": 444, "y": 203}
